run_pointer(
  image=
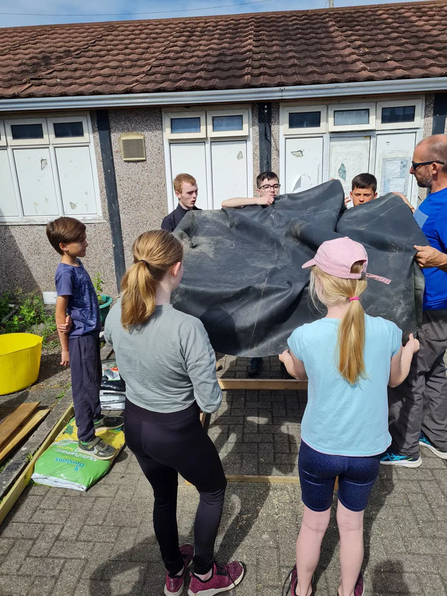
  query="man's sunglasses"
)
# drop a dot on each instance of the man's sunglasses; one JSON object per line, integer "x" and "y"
{"x": 417, "y": 164}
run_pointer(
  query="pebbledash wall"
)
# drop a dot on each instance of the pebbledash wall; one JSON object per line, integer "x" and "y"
{"x": 27, "y": 259}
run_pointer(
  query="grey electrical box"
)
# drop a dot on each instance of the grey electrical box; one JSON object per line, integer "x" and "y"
{"x": 133, "y": 147}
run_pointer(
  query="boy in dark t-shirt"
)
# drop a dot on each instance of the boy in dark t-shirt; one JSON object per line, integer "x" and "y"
{"x": 185, "y": 188}
{"x": 76, "y": 297}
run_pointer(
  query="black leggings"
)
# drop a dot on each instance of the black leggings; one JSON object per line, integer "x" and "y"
{"x": 168, "y": 444}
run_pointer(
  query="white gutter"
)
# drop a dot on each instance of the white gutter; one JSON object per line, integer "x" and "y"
{"x": 427, "y": 85}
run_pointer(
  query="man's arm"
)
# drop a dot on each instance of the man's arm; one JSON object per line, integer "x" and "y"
{"x": 427, "y": 257}
{"x": 61, "y": 314}
{"x": 240, "y": 202}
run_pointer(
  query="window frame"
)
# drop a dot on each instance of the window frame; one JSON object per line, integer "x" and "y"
{"x": 169, "y": 139}
{"x": 23, "y": 144}
{"x": 54, "y": 140}
{"x": 371, "y": 106}
{"x": 299, "y": 109}
{"x": 418, "y": 114}
{"x": 184, "y": 135}
{"x": 212, "y": 134}
{"x": 2, "y": 134}
{"x": 378, "y": 101}
{"x": 26, "y": 142}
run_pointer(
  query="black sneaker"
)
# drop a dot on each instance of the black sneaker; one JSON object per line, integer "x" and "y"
{"x": 98, "y": 448}
{"x": 254, "y": 368}
{"x": 108, "y": 422}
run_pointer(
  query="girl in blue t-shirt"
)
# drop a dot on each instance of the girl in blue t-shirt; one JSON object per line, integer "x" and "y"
{"x": 349, "y": 359}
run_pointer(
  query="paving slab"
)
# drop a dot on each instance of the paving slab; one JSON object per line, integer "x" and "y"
{"x": 102, "y": 541}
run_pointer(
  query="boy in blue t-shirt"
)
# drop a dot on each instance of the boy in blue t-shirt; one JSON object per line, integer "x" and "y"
{"x": 76, "y": 297}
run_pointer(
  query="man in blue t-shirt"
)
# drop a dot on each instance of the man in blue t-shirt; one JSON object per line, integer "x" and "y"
{"x": 418, "y": 407}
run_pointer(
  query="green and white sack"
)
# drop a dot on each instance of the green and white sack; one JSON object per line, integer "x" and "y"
{"x": 62, "y": 464}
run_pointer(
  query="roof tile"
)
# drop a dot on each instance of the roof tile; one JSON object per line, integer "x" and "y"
{"x": 403, "y": 41}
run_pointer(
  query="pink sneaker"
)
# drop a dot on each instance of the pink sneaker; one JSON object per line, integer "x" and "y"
{"x": 359, "y": 589}
{"x": 223, "y": 579}
{"x": 174, "y": 585}
{"x": 294, "y": 582}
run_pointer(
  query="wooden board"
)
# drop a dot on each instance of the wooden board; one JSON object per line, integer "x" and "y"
{"x": 263, "y": 384}
{"x": 23, "y": 431}
{"x": 262, "y": 479}
{"x": 10, "y": 426}
{"x": 19, "y": 486}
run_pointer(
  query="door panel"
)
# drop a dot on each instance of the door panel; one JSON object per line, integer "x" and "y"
{"x": 8, "y": 205}
{"x": 189, "y": 158}
{"x": 36, "y": 181}
{"x": 393, "y": 160}
{"x": 76, "y": 180}
{"x": 304, "y": 161}
{"x": 229, "y": 170}
{"x": 349, "y": 156}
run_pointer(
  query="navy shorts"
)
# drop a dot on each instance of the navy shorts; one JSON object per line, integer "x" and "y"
{"x": 356, "y": 477}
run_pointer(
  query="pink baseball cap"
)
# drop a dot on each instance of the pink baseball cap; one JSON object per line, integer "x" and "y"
{"x": 336, "y": 257}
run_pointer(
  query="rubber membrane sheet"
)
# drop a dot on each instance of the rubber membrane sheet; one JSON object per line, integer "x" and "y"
{"x": 243, "y": 275}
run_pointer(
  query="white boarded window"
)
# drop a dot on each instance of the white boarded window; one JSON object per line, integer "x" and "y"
{"x": 218, "y": 154}
{"x": 47, "y": 169}
{"x": 189, "y": 158}
{"x": 304, "y": 163}
{"x": 36, "y": 182}
{"x": 226, "y": 157}
{"x": 394, "y": 153}
{"x": 349, "y": 156}
{"x": 2, "y": 135}
{"x": 353, "y": 137}
{"x": 76, "y": 180}
{"x": 8, "y": 207}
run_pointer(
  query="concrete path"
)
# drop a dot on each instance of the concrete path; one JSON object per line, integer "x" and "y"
{"x": 101, "y": 543}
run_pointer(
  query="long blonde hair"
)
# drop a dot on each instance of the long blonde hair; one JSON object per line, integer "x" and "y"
{"x": 332, "y": 290}
{"x": 153, "y": 254}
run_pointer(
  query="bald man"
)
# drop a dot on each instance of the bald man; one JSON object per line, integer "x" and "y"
{"x": 418, "y": 407}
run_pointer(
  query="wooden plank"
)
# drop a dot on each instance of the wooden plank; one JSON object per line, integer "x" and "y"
{"x": 19, "y": 486}
{"x": 23, "y": 431}
{"x": 263, "y": 384}
{"x": 263, "y": 479}
{"x": 9, "y": 426}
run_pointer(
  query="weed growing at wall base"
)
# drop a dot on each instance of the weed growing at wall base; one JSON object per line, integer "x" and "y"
{"x": 28, "y": 316}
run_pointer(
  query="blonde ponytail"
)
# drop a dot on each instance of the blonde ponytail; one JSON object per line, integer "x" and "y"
{"x": 332, "y": 290}
{"x": 153, "y": 254}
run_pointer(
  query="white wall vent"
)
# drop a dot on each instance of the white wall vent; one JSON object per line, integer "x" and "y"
{"x": 133, "y": 146}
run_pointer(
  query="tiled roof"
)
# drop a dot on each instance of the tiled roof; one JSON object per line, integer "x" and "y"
{"x": 368, "y": 43}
